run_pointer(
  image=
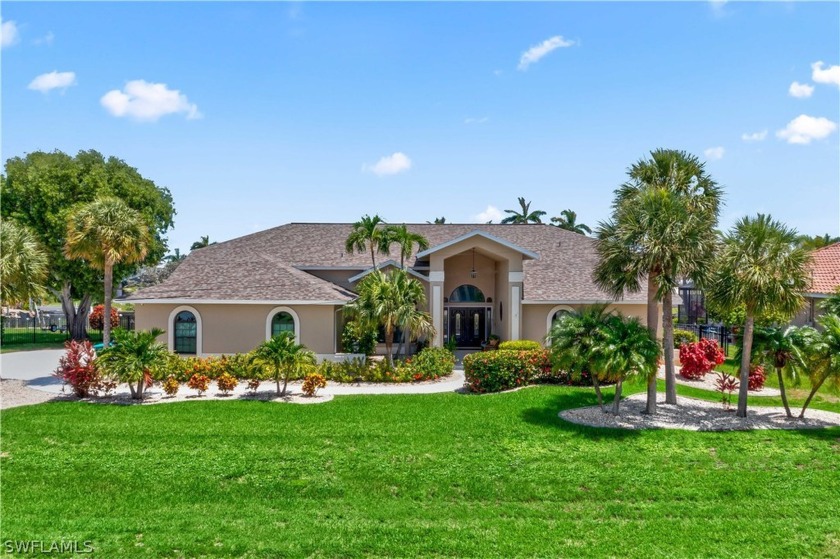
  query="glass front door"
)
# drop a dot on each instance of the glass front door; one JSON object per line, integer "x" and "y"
{"x": 467, "y": 325}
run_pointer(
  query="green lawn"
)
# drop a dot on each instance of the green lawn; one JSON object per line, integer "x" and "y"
{"x": 9, "y": 348}
{"x": 434, "y": 475}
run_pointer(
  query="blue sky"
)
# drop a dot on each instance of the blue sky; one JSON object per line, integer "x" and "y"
{"x": 277, "y": 112}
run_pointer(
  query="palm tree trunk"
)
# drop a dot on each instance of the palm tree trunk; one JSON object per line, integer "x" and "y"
{"x": 389, "y": 344}
{"x": 285, "y": 384}
{"x": 372, "y": 256}
{"x": 782, "y": 391}
{"x": 653, "y": 326}
{"x": 668, "y": 347}
{"x": 140, "y": 385}
{"x": 746, "y": 356}
{"x": 617, "y": 398}
{"x": 597, "y": 391}
{"x": 811, "y": 395}
{"x": 109, "y": 288}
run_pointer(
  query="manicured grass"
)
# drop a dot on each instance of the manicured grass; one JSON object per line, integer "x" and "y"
{"x": 9, "y": 348}
{"x": 429, "y": 475}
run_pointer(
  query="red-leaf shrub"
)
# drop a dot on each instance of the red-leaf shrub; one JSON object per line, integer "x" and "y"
{"x": 700, "y": 358}
{"x": 226, "y": 382}
{"x": 504, "y": 369}
{"x": 312, "y": 383}
{"x": 757, "y": 377}
{"x": 199, "y": 382}
{"x": 97, "y": 315}
{"x": 171, "y": 385}
{"x": 726, "y": 385}
{"x": 77, "y": 368}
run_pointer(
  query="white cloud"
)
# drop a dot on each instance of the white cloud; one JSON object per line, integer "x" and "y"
{"x": 9, "y": 34}
{"x": 718, "y": 7}
{"x": 536, "y": 52}
{"x": 393, "y": 164}
{"x": 53, "y": 80}
{"x": 146, "y": 101}
{"x": 800, "y": 90}
{"x": 714, "y": 153}
{"x": 754, "y": 136}
{"x": 476, "y": 120}
{"x": 804, "y": 128}
{"x": 827, "y": 75}
{"x": 492, "y": 213}
{"x": 45, "y": 40}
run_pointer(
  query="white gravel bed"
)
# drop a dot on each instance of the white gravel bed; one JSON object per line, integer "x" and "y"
{"x": 708, "y": 383}
{"x": 697, "y": 415}
{"x": 15, "y": 393}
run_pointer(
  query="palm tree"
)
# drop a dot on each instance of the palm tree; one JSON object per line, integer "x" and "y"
{"x": 571, "y": 340}
{"x": 286, "y": 358}
{"x": 625, "y": 349}
{"x": 413, "y": 322}
{"x": 176, "y": 255}
{"x": 106, "y": 232}
{"x": 831, "y": 305}
{"x": 438, "y": 221}
{"x": 368, "y": 233}
{"x": 568, "y": 221}
{"x": 783, "y": 349}
{"x": 527, "y": 216}
{"x": 663, "y": 229}
{"x": 761, "y": 267}
{"x": 824, "y": 356}
{"x": 406, "y": 240}
{"x": 203, "y": 241}
{"x": 813, "y": 243}
{"x": 133, "y": 357}
{"x": 24, "y": 265}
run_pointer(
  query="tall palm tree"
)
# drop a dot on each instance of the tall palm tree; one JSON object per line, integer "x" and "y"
{"x": 526, "y": 216}
{"x": 438, "y": 221}
{"x": 368, "y": 233}
{"x": 106, "y": 232}
{"x": 625, "y": 349}
{"x": 24, "y": 264}
{"x": 813, "y": 243}
{"x": 413, "y": 322}
{"x": 662, "y": 229}
{"x": 824, "y": 356}
{"x": 176, "y": 255}
{"x": 784, "y": 349}
{"x": 761, "y": 267}
{"x": 568, "y": 221}
{"x": 133, "y": 358}
{"x": 203, "y": 241}
{"x": 286, "y": 358}
{"x": 406, "y": 240}
{"x": 571, "y": 340}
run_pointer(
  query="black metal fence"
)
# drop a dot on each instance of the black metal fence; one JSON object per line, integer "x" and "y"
{"x": 46, "y": 328}
{"x": 721, "y": 334}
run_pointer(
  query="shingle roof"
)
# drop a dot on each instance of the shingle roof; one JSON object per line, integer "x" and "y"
{"x": 825, "y": 270}
{"x": 261, "y": 266}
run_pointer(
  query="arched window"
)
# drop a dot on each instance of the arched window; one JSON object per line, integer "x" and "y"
{"x": 556, "y": 314}
{"x": 185, "y": 327}
{"x": 467, "y": 294}
{"x": 282, "y": 322}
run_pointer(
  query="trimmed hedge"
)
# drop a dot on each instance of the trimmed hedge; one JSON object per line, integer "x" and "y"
{"x": 494, "y": 371}
{"x": 521, "y": 345}
{"x": 683, "y": 337}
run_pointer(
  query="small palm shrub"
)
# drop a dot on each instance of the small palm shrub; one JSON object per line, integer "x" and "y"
{"x": 520, "y": 345}
{"x": 226, "y": 382}
{"x": 78, "y": 369}
{"x": 504, "y": 369}
{"x": 199, "y": 382}
{"x": 683, "y": 337}
{"x": 171, "y": 385}
{"x": 757, "y": 377}
{"x": 700, "y": 358}
{"x": 312, "y": 383}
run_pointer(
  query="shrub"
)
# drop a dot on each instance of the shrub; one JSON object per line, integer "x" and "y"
{"x": 431, "y": 364}
{"x": 199, "y": 382}
{"x": 356, "y": 338}
{"x": 683, "y": 337}
{"x": 757, "y": 377}
{"x": 504, "y": 369}
{"x": 726, "y": 385}
{"x": 521, "y": 345}
{"x": 253, "y": 385}
{"x": 312, "y": 383}
{"x": 171, "y": 385}
{"x": 352, "y": 370}
{"x": 700, "y": 358}
{"x": 226, "y": 382}
{"x": 78, "y": 369}
{"x": 97, "y": 315}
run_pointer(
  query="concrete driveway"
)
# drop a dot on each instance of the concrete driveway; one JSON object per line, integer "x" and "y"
{"x": 34, "y": 367}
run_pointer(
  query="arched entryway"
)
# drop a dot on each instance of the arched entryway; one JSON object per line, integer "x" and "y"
{"x": 467, "y": 317}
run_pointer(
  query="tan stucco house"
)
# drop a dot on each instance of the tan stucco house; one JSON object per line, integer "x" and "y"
{"x": 507, "y": 280}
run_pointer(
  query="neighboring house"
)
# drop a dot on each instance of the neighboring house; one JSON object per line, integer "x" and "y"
{"x": 825, "y": 280}
{"x": 507, "y": 280}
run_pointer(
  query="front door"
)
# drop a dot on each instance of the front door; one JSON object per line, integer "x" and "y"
{"x": 466, "y": 326}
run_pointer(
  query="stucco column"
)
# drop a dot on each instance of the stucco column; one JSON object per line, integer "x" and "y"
{"x": 515, "y": 314}
{"x": 436, "y": 305}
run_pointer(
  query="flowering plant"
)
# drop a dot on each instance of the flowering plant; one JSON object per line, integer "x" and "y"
{"x": 700, "y": 358}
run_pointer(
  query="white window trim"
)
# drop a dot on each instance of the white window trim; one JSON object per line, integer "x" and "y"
{"x": 551, "y": 315}
{"x": 198, "y": 328}
{"x": 277, "y": 310}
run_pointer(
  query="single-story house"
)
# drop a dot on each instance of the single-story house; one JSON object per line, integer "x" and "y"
{"x": 507, "y": 280}
{"x": 825, "y": 280}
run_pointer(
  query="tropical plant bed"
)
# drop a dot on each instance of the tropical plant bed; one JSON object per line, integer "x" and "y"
{"x": 697, "y": 415}
{"x": 708, "y": 383}
{"x": 443, "y": 475}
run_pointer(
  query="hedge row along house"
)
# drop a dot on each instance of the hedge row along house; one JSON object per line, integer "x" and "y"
{"x": 511, "y": 281}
